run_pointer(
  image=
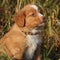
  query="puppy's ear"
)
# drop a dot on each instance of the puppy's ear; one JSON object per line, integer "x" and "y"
{"x": 20, "y": 18}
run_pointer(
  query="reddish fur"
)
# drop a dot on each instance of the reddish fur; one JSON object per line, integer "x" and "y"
{"x": 15, "y": 41}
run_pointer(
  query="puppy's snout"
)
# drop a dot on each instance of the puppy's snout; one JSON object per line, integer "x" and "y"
{"x": 44, "y": 19}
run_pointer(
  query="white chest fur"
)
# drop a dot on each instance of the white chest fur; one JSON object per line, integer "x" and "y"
{"x": 32, "y": 42}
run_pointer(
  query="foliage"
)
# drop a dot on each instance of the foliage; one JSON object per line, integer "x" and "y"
{"x": 51, "y": 32}
{"x": 4, "y": 57}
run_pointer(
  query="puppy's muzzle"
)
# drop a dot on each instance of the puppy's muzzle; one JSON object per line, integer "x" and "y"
{"x": 44, "y": 20}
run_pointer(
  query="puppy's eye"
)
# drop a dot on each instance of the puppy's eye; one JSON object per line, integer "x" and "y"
{"x": 32, "y": 14}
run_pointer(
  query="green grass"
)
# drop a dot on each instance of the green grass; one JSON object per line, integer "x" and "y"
{"x": 4, "y": 56}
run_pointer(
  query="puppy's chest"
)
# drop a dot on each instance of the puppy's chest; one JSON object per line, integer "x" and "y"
{"x": 33, "y": 40}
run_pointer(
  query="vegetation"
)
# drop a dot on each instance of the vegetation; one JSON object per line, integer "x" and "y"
{"x": 4, "y": 57}
{"x": 51, "y": 32}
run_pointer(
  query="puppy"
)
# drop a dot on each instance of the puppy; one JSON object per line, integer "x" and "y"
{"x": 24, "y": 37}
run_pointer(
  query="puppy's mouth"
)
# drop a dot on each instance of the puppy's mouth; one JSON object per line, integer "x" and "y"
{"x": 40, "y": 26}
{"x": 36, "y": 30}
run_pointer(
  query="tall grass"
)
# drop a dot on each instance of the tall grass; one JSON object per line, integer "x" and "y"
{"x": 51, "y": 32}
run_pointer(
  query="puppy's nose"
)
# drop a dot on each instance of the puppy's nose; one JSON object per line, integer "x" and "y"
{"x": 44, "y": 19}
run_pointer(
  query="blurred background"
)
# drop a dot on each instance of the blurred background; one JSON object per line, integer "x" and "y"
{"x": 51, "y": 32}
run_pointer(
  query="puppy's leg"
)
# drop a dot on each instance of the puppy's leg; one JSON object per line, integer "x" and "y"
{"x": 29, "y": 53}
{"x": 38, "y": 55}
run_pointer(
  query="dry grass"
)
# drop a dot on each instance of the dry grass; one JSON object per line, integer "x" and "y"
{"x": 51, "y": 32}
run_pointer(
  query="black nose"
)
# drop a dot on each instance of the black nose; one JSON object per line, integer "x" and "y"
{"x": 44, "y": 19}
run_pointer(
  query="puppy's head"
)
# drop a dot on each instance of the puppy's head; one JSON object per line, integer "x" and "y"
{"x": 29, "y": 17}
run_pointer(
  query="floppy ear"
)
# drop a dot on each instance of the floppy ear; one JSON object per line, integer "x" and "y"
{"x": 20, "y": 18}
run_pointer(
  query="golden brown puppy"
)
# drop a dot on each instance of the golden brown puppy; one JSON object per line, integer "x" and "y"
{"x": 24, "y": 37}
